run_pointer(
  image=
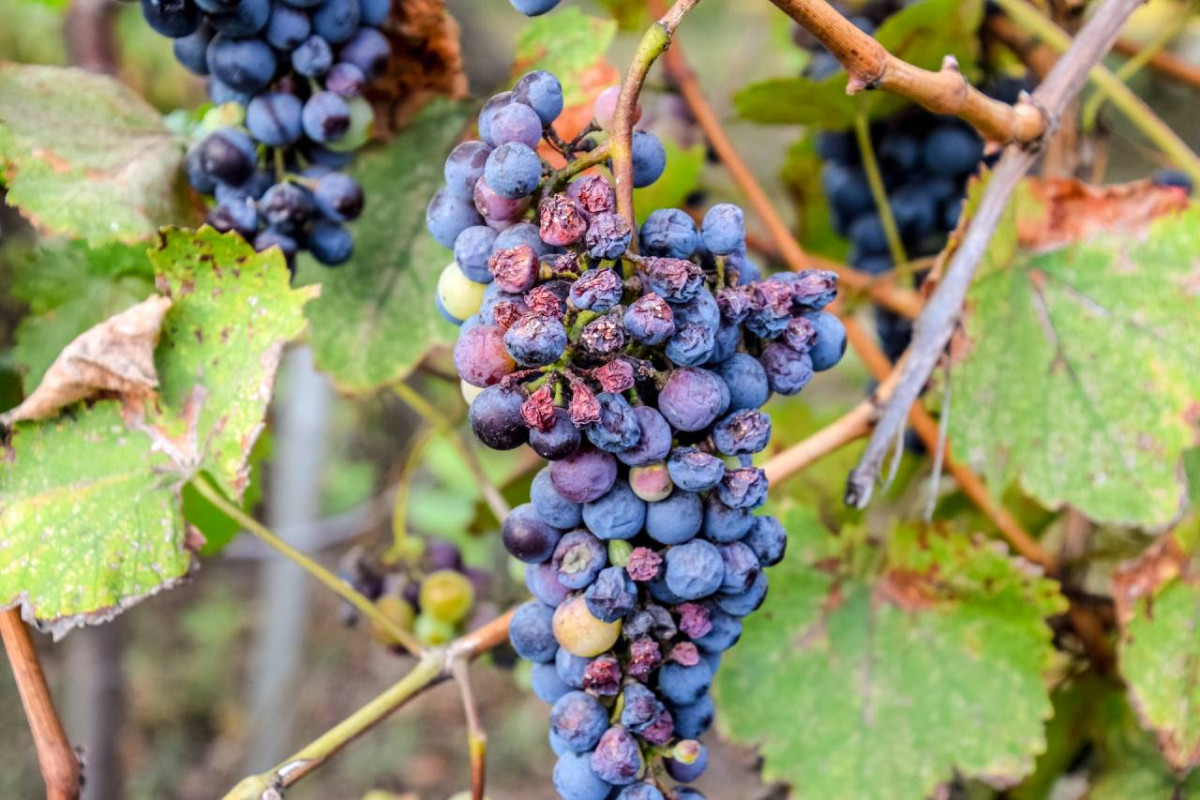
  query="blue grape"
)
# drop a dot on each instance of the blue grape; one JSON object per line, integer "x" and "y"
{"x": 287, "y": 27}
{"x": 612, "y": 596}
{"x": 245, "y": 65}
{"x": 489, "y": 111}
{"x": 578, "y": 559}
{"x": 725, "y": 633}
{"x": 618, "y": 514}
{"x": 235, "y": 215}
{"x": 338, "y": 197}
{"x": 313, "y": 57}
{"x": 617, "y": 759}
{"x": 561, "y": 440}
{"x": 527, "y": 537}
{"x": 952, "y": 151}
{"x": 682, "y": 685}
{"x": 693, "y": 470}
{"x": 472, "y": 248}
{"x": 578, "y": 719}
{"x": 597, "y": 290}
{"x": 495, "y": 417}
{"x": 552, "y": 506}
{"x": 535, "y": 341}
{"x": 768, "y": 540}
{"x": 694, "y": 569}
{"x": 693, "y": 720}
{"x": 650, "y": 320}
{"x": 546, "y": 684}
{"x": 326, "y": 117}
{"x": 640, "y": 707}
{"x": 274, "y": 118}
{"x": 367, "y": 49}
{"x": 618, "y": 428}
{"x": 335, "y": 21}
{"x": 723, "y": 523}
{"x": 192, "y": 50}
{"x": 171, "y": 18}
{"x": 574, "y": 778}
{"x": 676, "y": 519}
{"x": 269, "y": 238}
{"x": 669, "y": 232}
{"x": 746, "y": 379}
{"x": 686, "y": 772}
{"x": 744, "y": 603}
{"x": 464, "y": 168}
{"x": 868, "y": 234}
{"x": 227, "y": 155}
{"x": 608, "y": 236}
{"x": 640, "y": 791}
{"x": 447, "y": 216}
{"x": 542, "y": 583}
{"x": 519, "y": 234}
{"x": 741, "y": 567}
{"x": 542, "y": 92}
{"x": 724, "y": 229}
{"x": 374, "y": 12}
{"x": 692, "y": 398}
{"x": 287, "y": 207}
{"x": 743, "y": 432}
{"x": 531, "y": 633}
{"x": 649, "y": 158}
{"x": 654, "y": 439}
{"x": 787, "y": 370}
{"x": 514, "y": 122}
{"x": 534, "y": 8}
{"x": 831, "y": 340}
{"x": 745, "y": 487}
{"x": 513, "y": 170}
{"x": 571, "y": 668}
{"x": 247, "y": 18}
{"x": 345, "y": 80}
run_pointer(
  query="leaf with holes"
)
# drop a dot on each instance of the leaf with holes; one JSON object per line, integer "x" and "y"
{"x": 83, "y": 155}
{"x": 1075, "y": 370}
{"x": 881, "y": 686}
{"x": 1158, "y": 605}
{"x": 91, "y": 517}
{"x": 234, "y": 310}
{"x": 376, "y": 318}
{"x": 922, "y": 33}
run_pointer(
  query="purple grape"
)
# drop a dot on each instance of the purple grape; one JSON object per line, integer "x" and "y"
{"x": 692, "y": 398}
{"x": 531, "y": 633}
{"x": 367, "y": 49}
{"x": 447, "y": 216}
{"x": 557, "y": 442}
{"x": 578, "y": 558}
{"x": 514, "y": 122}
{"x": 552, "y": 506}
{"x": 542, "y": 92}
{"x": 654, "y": 438}
{"x": 326, "y": 117}
{"x": 535, "y": 341}
{"x": 464, "y": 168}
{"x": 612, "y": 596}
{"x": 618, "y": 428}
{"x": 669, "y": 232}
{"x": 527, "y": 537}
{"x": 617, "y": 759}
{"x": 597, "y": 290}
{"x": 513, "y": 170}
{"x": 693, "y": 470}
{"x": 579, "y": 720}
{"x": 345, "y": 80}
{"x": 618, "y": 514}
{"x": 495, "y": 416}
{"x": 787, "y": 371}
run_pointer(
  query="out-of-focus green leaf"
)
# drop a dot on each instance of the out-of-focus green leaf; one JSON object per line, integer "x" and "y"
{"x": 1076, "y": 370}
{"x": 84, "y": 156}
{"x": 802, "y": 176}
{"x": 875, "y": 672}
{"x": 630, "y": 14}
{"x": 376, "y": 318}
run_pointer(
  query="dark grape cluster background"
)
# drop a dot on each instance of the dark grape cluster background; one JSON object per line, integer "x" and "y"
{"x": 287, "y": 78}
{"x": 640, "y": 377}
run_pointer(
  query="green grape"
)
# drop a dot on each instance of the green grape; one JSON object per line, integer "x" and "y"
{"x": 396, "y": 609}
{"x": 460, "y": 296}
{"x": 433, "y": 631}
{"x": 446, "y": 595}
{"x": 580, "y": 633}
{"x": 618, "y": 552}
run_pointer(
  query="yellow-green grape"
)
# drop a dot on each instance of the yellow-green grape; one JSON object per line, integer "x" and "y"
{"x": 459, "y": 295}
{"x": 651, "y": 482}
{"x": 433, "y": 631}
{"x": 362, "y": 119}
{"x": 396, "y": 609}
{"x": 226, "y": 115}
{"x": 618, "y": 552}
{"x": 446, "y": 595}
{"x": 580, "y": 633}
{"x": 469, "y": 392}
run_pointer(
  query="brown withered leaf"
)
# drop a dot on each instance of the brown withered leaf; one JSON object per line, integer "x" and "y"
{"x": 1070, "y": 210}
{"x": 115, "y": 356}
{"x": 1135, "y": 580}
{"x": 426, "y": 62}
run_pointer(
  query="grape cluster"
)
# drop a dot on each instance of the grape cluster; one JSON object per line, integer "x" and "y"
{"x": 287, "y": 77}
{"x": 640, "y": 378}
{"x": 430, "y": 592}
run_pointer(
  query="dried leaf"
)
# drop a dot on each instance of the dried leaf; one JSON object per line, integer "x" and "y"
{"x": 426, "y": 62}
{"x": 1140, "y": 579}
{"x": 115, "y": 356}
{"x": 1071, "y": 211}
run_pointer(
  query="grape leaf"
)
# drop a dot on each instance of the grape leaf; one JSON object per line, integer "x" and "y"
{"x": 921, "y": 33}
{"x": 90, "y": 505}
{"x": 881, "y": 685}
{"x": 85, "y": 156}
{"x": 70, "y": 287}
{"x": 1076, "y": 372}
{"x": 376, "y": 318}
{"x": 1158, "y": 606}
{"x": 567, "y": 44}
{"x": 629, "y": 14}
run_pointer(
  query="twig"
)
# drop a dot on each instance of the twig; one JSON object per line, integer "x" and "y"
{"x": 654, "y": 42}
{"x": 89, "y": 28}
{"x": 343, "y": 589}
{"x": 862, "y": 131}
{"x": 476, "y": 736}
{"x": 435, "y": 666}
{"x": 466, "y": 450}
{"x": 420, "y": 443}
{"x": 59, "y": 764}
{"x": 934, "y": 326}
{"x": 1091, "y": 108}
{"x": 888, "y": 295}
{"x": 1168, "y": 64}
{"x": 1120, "y": 95}
{"x": 853, "y": 425}
{"x": 870, "y": 66}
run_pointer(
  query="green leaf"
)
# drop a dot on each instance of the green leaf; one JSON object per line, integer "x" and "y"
{"x": 877, "y": 672}
{"x": 221, "y": 343}
{"x": 1158, "y": 604}
{"x": 567, "y": 44}
{"x": 802, "y": 176}
{"x": 630, "y": 14}
{"x": 90, "y": 503}
{"x": 85, "y": 156}
{"x": 921, "y": 33}
{"x": 376, "y": 318}
{"x": 217, "y": 528}
{"x": 1131, "y": 765}
{"x": 70, "y": 288}
{"x": 1077, "y": 371}
{"x": 673, "y": 188}
{"x": 90, "y": 518}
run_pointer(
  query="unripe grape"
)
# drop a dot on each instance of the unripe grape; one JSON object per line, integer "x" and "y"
{"x": 652, "y": 482}
{"x": 396, "y": 609}
{"x": 432, "y": 631}
{"x": 459, "y": 295}
{"x": 581, "y": 634}
{"x": 446, "y": 595}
